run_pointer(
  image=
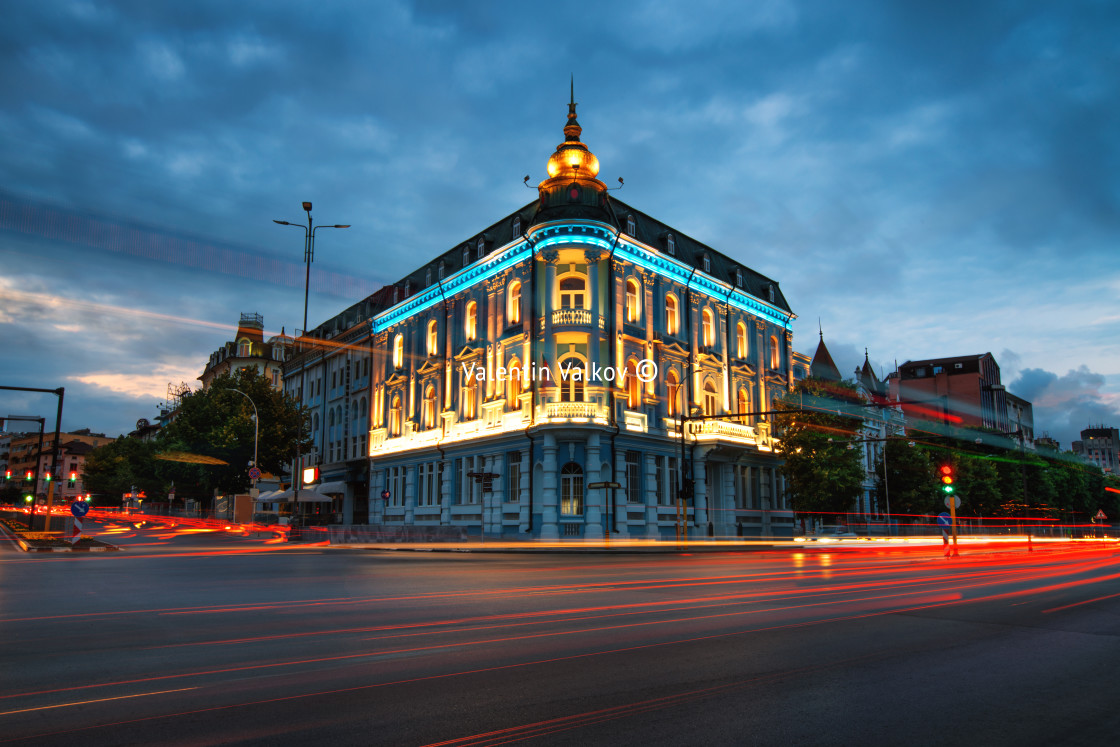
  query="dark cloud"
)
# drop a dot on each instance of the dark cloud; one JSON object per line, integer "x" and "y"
{"x": 921, "y": 176}
{"x": 1064, "y": 405}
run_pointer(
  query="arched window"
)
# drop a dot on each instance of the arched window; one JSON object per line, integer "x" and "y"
{"x": 571, "y": 490}
{"x": 573, "y": 292}
{"x": 707, "y": 262}
{"x": 466, "y": 255}
{"x": 481, "y": 247}
{"x": 633, "y": 301}
{"x": 514, "y": 302}
{"x": 709, "y": 332}
{"x": 515, "y": 373}
{"x": 471, "y": 324}
{"x": 672, "y": 315}
{"x": 398, "y": 351}
{"x": 631, "y": 225}
{"x": 433, "y": 337}
{"x": 738, "y": 277}
{"x": 633, "y": 385}
{"x": 673, "y": 391}
{"x": 671, "y": 244}
{"x": 572, "y": 373}
{"x": 429, "y": 406}
{"x": 517, "y": 226}
{"x": 243, "y": 348}
{"x": 775, "y": 354}
{"x": 741, "y": 340}
{"x": 744, "y": 406}
{"x": 710, "y": 395}
{"x": 428, "y": 276}
{"x": 395, "y": 415}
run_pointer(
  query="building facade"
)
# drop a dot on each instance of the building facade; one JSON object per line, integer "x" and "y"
{"x": 250, "y": 350}
{"x": 535, "y": 381}
{"x": 964, "y": 391}
{"x": 26, "y": 458}
{"x": 1101, "y": 446}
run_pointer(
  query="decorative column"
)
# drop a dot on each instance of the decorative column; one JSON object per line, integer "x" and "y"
{"x": 549, "y": 505}
{"x": 651, "y": 497}
{"x": 410, "y": 495}
{"x": 700, "y": 503}
{"x": 593, "y": 256}
{"x": 550, "y": 256}
{"x": 595, "y": 498}
{"x": 445, "y": 492}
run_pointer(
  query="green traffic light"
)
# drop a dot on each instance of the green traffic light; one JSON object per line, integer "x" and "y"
{"x": 947, "y": 488}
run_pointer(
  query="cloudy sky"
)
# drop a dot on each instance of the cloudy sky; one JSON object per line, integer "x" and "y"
{"x": 925, "y": 179}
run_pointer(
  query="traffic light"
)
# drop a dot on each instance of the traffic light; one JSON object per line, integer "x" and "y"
{"x": 73, "y": 478}
{"x": 7, "y": 474}
{"x": 28, "y": 476}
{"x": 948, "y": 476}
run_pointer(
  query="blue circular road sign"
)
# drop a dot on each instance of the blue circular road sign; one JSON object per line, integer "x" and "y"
{"x": 79, "y": 508}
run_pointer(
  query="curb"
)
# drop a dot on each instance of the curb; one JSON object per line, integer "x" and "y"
{"x": 28, "y": 548}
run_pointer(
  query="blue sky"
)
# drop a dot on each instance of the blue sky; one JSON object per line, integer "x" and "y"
{"x": 926, "y": 179}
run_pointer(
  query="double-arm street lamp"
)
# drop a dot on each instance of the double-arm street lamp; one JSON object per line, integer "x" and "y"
{"x": 256, "y": 431}
{"x": 308, "y": 250}
{"x": 308, "y": 255}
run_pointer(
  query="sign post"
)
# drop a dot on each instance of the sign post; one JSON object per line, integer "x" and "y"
{"x": 953, "y": 502}
{"x": 79, "y": 509}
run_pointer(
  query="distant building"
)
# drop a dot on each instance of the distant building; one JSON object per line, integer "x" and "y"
{"x": 250, "y": 350}
{"x": 1046, "y": 442}
{"x": 964, "y": 391}
{"x": 1020, "y": 418}
{"x": 877, "y": 426}
{"x": 1101, "y": 446}
{"x": 26, "y": 457}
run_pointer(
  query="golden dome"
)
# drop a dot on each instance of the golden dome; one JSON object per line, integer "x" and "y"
{"x": 572, "y": 161}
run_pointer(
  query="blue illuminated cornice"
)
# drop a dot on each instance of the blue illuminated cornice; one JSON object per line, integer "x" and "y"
{"x": 460, "y": 281}
{"x": 574, "y": 233}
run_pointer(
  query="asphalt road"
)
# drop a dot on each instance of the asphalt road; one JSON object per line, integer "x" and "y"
{"x": 213, "y": 639}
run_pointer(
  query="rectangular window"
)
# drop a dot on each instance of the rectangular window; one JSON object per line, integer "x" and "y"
{"x": 394, "y": 483}
{"x": 427, "y": 493}
{"x": 633, "y": 477}
{"x": 513, "y": 491}
{"x": 469, "y": 489}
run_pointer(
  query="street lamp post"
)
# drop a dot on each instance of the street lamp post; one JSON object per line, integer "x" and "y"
{"x": 256, "y": 430}
{"x": 308, "y": 256}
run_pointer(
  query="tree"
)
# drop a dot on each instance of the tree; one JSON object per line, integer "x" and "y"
{"x": 119, "y": 466}
{"x": 979, "y": 486}
{"x": 218, "y": 423}
{"x": 823, "y": 475}
{"x": 911, "y": 481}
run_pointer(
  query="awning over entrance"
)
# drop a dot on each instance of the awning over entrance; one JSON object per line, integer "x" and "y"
{"x": 329, "y": 488}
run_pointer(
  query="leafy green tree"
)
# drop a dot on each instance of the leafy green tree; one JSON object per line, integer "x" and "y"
{"x": 978, "y": 486}
{"x": 218, "y": 423}
{"x": 910, "y": 479}
{"x": 822, "y": 474}
{"x": 119, "y": 466}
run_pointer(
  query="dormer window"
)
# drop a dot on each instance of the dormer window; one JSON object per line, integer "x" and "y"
{"x": 770, "y": 292}
{"x": 466, "y": 255}
{"x": 516, "y": 226}
{"x": 481, "y": 247}
{"x": 707, "y": 263}
{"x": 441, "y": 269}
{"x": 631, "y": 225}
{"x": 428, "y": 277}
{"x": 243, "y": 347}
{"x": 671, "y": 245}
{"x": 739, "y": 278}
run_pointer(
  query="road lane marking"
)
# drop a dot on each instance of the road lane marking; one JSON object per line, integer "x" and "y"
{"x": 98, "y": 700}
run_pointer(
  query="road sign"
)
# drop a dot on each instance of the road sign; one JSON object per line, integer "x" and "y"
{"x": 254, "y": 473}
{"x": 79, "y": 508}
{"x": 1100, "y": 515}
{"x": 956, "y": 499}
{"x": 944, "y": 521}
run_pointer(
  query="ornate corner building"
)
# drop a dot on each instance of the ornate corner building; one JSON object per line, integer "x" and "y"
{"x": 532, "y": 381}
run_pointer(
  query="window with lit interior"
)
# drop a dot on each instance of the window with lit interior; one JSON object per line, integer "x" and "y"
{"x": 775, "y": 354}
{"x": 672, "y": 315}
{"x": 633, "y": 301}
{"x": 573, "y": 292}
{"x": 708, "y": 329}
{"x": 710, "y": 398}
{"x": 514, "y": 302}
{"x": 741, "y": 340}
{"x": 571, "y": 489}
{"x": 398, "y": 351}
{"x": 433, "y": 337}
{"x": 471, "y": 323}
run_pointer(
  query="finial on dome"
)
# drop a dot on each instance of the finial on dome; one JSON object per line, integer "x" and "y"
{"x": 572, "y": 160}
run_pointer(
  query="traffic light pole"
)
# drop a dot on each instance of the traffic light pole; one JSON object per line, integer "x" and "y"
{"x": 60, "y": 393}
